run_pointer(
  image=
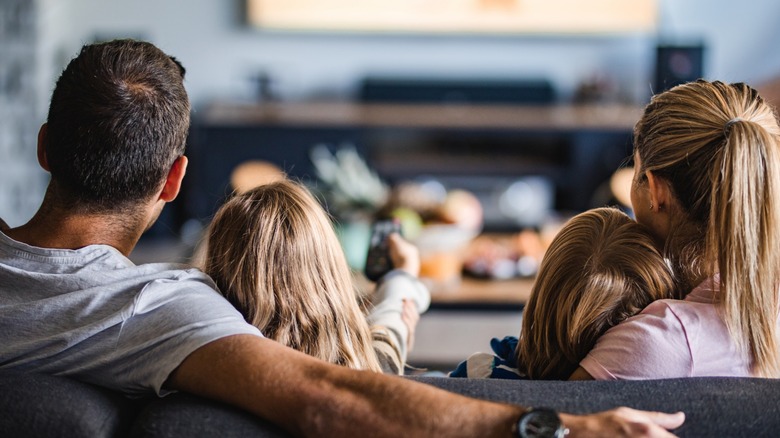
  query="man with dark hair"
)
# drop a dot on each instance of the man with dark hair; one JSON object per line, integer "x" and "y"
{"x": 132, "y": 113}
{"x": 72, "y": 304}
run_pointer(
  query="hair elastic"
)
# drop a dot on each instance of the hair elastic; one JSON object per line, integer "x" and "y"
{"x": 728, "y": 124}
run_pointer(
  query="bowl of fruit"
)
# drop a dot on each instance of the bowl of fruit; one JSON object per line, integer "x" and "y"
{"x": 441, "y": 223}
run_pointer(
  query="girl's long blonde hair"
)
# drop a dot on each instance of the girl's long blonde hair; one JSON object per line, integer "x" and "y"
{"x": 601, "y": 268}
{"x": 275, "y": 256}
{"x": 716, "y": 145}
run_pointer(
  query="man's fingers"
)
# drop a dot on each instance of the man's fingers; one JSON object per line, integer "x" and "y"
{"x": 667, "y": 421}
{"x": 624, "y": 422}
{"x": 662, "y": 419}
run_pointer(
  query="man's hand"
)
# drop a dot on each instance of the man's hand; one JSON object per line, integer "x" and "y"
{"x": 622, "y": 422}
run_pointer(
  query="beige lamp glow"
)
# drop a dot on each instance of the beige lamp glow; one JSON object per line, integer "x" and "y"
{"x": 620, "y": 185}
{"x": 255, "y": 173}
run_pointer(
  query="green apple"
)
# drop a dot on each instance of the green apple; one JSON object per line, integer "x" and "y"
{"x": 411, "y": 222}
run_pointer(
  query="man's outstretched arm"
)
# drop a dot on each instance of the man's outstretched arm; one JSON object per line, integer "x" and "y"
{"x": 309, "y": 397}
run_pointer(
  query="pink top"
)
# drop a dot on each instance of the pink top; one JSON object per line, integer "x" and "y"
{"x": 670, "y": 338}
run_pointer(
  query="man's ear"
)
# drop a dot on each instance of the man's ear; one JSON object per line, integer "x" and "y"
{"x": 173, "y": 181}
{"x": 659, "y": 191}
{"x": 43, "y": 138}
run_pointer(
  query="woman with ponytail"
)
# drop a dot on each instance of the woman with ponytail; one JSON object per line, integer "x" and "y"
{"x": 707, "y": 185}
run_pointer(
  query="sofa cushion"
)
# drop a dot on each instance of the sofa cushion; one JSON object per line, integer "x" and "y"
{"x": 731, "y": 407}
{"x": 47, "y": 406}
{"x": 185, "y": 415}
{"x": 35, "y": 405}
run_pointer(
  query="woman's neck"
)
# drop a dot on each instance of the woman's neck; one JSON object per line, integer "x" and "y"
{"x": 685, "y": 249}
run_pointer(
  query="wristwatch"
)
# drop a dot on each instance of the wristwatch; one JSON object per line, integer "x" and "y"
{"x": 540, "y": 423}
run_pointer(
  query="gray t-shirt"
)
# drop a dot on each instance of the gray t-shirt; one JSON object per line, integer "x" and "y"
{"x": 94, "y": 315}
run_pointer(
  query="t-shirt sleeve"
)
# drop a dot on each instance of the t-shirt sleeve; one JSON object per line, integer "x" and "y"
{"x": 650, "y": 345}
{"x": 170, "y": 320}
{"x": 387, "y": 308}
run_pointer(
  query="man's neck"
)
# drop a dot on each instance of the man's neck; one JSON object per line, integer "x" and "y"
{"x": 56, "y": 229}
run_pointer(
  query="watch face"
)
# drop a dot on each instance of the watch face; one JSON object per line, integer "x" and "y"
{"x": 540, "y": 423}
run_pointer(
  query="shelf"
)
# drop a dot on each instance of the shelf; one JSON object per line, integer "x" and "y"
{"x": 608, "y": 117}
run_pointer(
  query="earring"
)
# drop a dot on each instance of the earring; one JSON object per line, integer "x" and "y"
{"x": 651, "y": 206}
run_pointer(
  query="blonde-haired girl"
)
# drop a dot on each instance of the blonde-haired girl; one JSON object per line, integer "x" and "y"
{"x": 707, "y": 184}
{"x": 275, "y": 256}
{"x": 601, "y": 268}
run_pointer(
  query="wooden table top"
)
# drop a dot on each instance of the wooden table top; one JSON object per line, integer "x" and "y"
{"x": 476, "y": 293}
{"x": 486, "y": 291}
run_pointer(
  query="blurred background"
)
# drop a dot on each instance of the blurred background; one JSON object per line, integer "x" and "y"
{"x": 495, "y": 118}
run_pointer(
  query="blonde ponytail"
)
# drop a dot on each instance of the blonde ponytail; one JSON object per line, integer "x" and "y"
{"x": 743, "y": 239}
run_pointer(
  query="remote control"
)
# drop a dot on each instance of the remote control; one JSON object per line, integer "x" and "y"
{"x": 378, "y": 261}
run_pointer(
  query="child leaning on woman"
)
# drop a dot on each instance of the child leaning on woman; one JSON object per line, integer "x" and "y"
{"x": 600, "y": 269}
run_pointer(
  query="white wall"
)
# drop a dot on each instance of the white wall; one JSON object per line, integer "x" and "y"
{"x": 742, "y": 35}
{"x": 21, "y": 184}
{"x": 222, "y": 55}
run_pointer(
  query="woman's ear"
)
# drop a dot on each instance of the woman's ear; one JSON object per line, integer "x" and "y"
{"x": 659, "y": 191}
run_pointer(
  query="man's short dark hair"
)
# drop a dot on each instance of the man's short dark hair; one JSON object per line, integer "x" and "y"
{"x": 118, "y": 119}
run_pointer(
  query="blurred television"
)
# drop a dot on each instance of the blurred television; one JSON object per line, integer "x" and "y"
{"x": 456, "y": 16}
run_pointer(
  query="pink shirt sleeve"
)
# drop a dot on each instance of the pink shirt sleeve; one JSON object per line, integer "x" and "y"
{"x": 650, "y": 345}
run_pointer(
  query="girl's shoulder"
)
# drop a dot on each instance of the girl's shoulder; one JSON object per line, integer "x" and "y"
{"x": 693, "y": 308}
{"x": 702, "y": 299}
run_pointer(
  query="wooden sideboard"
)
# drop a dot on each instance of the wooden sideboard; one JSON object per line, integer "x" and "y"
{"x": 576, "y": 146}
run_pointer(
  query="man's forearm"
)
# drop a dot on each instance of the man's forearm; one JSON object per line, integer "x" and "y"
{"x": 308, "y": 397}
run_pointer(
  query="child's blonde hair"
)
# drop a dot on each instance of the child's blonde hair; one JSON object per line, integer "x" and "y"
{"x": 275, "y": 256}
{"x": 601, "y": 268}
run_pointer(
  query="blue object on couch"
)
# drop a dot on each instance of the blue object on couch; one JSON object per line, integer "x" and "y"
{"x": 47, "y": 406}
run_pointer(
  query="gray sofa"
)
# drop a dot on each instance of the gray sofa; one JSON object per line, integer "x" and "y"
{"x": 46, "y": 406}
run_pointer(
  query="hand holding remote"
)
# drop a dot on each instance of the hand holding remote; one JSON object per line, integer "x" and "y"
{"x": 404, "y": 254}
{"x": 379, "y": 260}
